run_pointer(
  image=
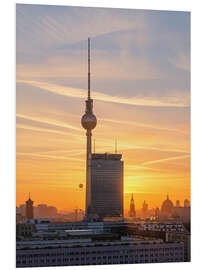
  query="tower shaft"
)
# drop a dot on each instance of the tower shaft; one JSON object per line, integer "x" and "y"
{"x": 89, "y": 142}
{"x": 88, "y": 171}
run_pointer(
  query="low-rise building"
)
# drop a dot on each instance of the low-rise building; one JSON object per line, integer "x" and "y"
{"x": 182, "y": 237}
{"x": 91, "y": 252}
{"x": 24, "y": 229}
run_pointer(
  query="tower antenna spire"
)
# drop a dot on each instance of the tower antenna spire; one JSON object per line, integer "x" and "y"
{"x": 116, "y": 146}
{"x": 88, "y": 68}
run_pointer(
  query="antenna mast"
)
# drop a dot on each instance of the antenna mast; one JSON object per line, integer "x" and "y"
{"x": 88, "y": 68}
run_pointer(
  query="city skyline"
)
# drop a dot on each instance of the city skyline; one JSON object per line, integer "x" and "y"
{"x": 180, "y": 204}
{"x": 152, "y": 130}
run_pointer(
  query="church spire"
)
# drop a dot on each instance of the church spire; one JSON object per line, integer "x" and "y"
{"x": 132, "y": 212}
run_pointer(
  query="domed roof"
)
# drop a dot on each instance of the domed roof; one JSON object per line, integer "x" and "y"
{"x": 167, "y": 206}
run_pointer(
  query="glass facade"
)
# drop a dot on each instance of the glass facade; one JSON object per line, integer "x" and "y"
{"x": 107, "y": 185}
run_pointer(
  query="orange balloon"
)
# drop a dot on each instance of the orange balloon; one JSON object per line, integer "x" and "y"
{"x": 80, "y": 185}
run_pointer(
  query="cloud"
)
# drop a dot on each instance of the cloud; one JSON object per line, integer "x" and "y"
{"x": 138, "y": 124}
{"x": 49, "y": 122}
{"x": 124, "y": 146}
{"x": 139, "y": 167}
{"x": 169, "y": 101}
{"x": 165, "y": 160}
{"x": 49, "y": 156}
{"x": 39, "y": 129}
{"x": 66, "y": 25}
{"x": 181, "y": 61}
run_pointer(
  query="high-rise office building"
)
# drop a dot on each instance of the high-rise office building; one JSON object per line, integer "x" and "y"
{"x": 106, "y": 185}
{"x": 29, "y": 208}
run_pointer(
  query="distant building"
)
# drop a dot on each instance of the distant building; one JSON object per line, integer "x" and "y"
{"x": 19, "y": 218}
{"x": 106, "y": 186}
{"x": 29, "y": 208}
{"x": 156, "y": 213}
{"x": 167, "y": 206}
{"x": 177, "y": 203}
{"x": 45, "y": 211}
{"x": 132, "y": 212}
{"x": 144, "y": 209}
{"x": 21, "y": 210}
{"x": 162, "y": 226}
{"x": 183, "y": 213}
{"x": 186, "y": 203}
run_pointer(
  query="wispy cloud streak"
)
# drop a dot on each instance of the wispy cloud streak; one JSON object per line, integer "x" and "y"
{"x": 81, "y": 93}
{"x": 49, "y": 156}
{"x": 46, "y": 121}
{"x": 165, "y": 160}
{"x": 38, "y": 129}
{"x": 138, "y": 124}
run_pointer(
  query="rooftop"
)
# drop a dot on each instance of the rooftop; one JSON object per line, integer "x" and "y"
{"x": 106, "y": 156}
{"x": 85, "y": 242}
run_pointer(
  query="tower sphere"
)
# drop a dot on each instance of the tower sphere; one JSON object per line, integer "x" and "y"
{"x": 89, "y": 121}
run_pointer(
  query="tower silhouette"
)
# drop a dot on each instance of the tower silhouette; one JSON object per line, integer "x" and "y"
{"x": 88, "y": 122}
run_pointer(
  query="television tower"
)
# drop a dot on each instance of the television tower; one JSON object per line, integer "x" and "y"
{"x": 88, "y": 122}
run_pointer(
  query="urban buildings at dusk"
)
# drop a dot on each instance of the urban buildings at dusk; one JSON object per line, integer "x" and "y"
{"x": 104, "y": 206}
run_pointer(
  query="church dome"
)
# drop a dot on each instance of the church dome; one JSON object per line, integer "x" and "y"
{"x": 167, "y": 206}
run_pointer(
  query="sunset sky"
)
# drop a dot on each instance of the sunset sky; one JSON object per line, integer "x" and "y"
{"x": 140, "y": 83}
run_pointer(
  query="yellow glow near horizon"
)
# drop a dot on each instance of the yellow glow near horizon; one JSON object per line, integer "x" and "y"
{"x": 51, "y": 162}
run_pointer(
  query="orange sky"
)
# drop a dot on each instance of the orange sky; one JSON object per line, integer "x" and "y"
{"x": 141, "y": 100}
